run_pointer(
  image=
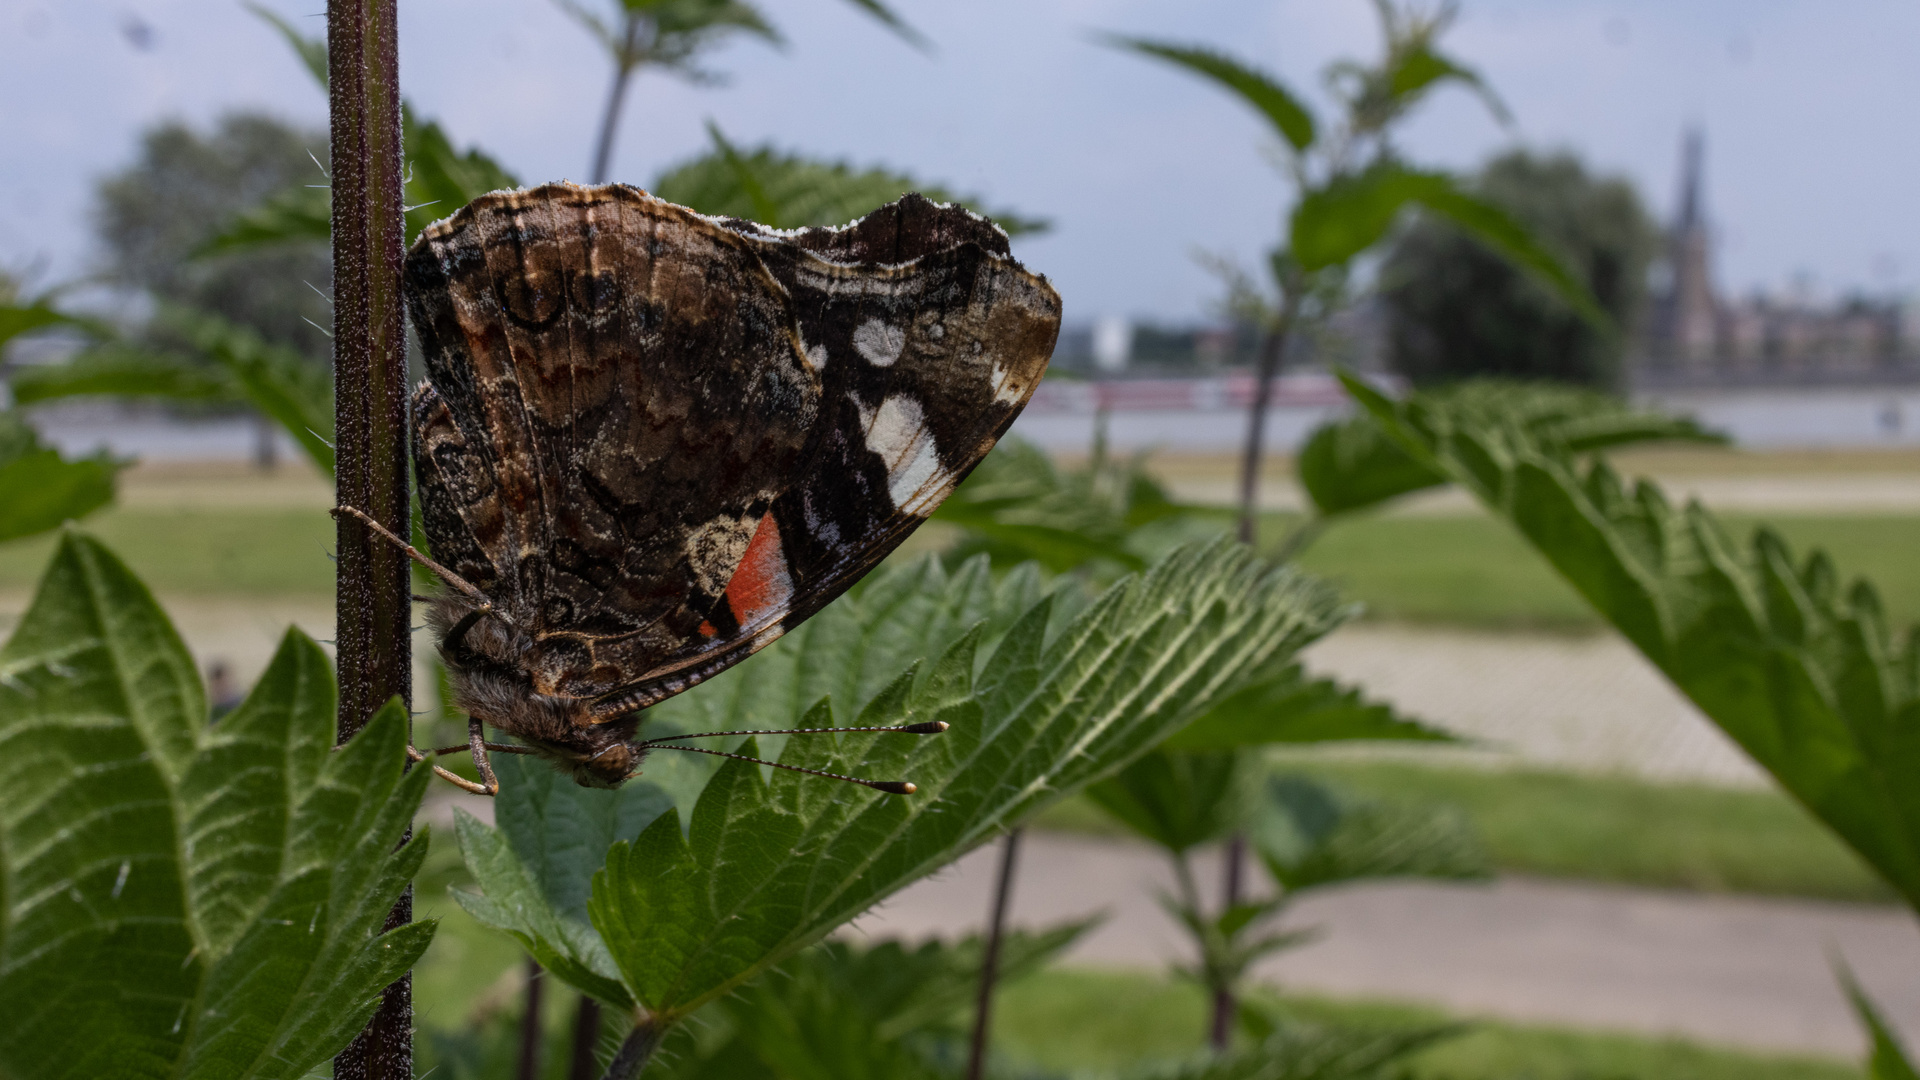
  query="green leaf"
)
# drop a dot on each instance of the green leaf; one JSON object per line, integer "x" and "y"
{"x": 1266, "y": 94}
{"x": 1418, "y": 69}
{"x": 1178, "y": 801}
{"x": 767, "y": 867}
{"x": 846, "y": 1011}
{"x": 39, "y": 489}
{"x": 788, "y": 191}
{"x": 1310, "y": 835}
{"x": 1493, "y": 227}
{"x": 1292, "y": 708}
{"x": 1344, "y": 217}
{"x": 1804, "y": 676}
{"x": 312, "y": 51}
{"x": 1351, "y": 464}
{"x": 38, "y": 314}
{"x": 118, "y": 369}
{"x": 275, "y": 380}
{"x": 1018, "y": 507}
{"x": 186, "y": 899}
{"x": 1888, "y": 1060}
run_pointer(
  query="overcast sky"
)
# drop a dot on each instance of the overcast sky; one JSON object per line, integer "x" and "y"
{"x": 1809, "y": 110}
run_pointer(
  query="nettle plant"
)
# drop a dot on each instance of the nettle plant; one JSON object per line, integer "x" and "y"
{"x": 186, "y": 898}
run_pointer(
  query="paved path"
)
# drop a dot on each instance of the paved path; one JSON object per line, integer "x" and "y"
{"x": 1730, "y": 970}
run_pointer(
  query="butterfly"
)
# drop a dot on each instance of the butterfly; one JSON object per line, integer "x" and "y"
{"x": 651, "y": 441}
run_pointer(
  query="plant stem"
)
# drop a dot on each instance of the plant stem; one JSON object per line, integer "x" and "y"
{"x": 530, "y": 1024}
{"x": 1221, "y": 1030}
{"x": 990, "y": 957}
{"x": 623, "y": 66}
{"x": 586, "y": 1039}
{"x": 637, "y": 1050}
{"x": 373, "y": 609}
{"x": 1272, "y": 351}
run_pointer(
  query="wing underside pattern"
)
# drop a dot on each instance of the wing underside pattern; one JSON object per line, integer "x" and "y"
{"x": 658, "y": 440}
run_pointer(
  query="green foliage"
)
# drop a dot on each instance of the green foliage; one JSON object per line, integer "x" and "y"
{"x": 1290, "y": 707}
{"x": 765, "y": 868}
{"x": 1308, "y": 835}
{"x": 440, "y": 178}
{"x": 1458, "y": 308}
{"x": 1017, "y": 506}
{"x": 845, "y": 1010}
{"x": 1296, "y": 1050}
{"x": 157, "y": 213}
{"x": 1178, "y": 801}
{"x": 1264, "y": 93}
{"x": 219, "y": 361}
{"x": 1334, "y": 223}
{"x": 1311, "y": 834}
{"x": 788, "y": 191}
{"x": 186, "y": 899}
{"x": 1352, "y": 184}
{"x": 1801, "y": 672}
{"x": 1888, "y": 1059}
{"x": 39, "y": 489}
{"x": 1352, "y": 464}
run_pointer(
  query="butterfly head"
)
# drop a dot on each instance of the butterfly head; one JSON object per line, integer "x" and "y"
{"x": 609, "y": 768}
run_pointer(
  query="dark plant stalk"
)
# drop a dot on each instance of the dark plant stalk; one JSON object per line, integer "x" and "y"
{"x": 636, "y": 1050}
{"x": 530, "y": 1024}
{"x": 990, "y": 956}
{"x": 372, "y": 609}
{"x": 586, "y": 1039}
{"x": 623, "y": 66}
{"x": 1272, "y": 352}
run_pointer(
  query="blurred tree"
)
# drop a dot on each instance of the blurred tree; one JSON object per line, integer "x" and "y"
{"x": 154, "y": 217}
{"x": 183, "y": 188}
{"x": 1457, "y": 309}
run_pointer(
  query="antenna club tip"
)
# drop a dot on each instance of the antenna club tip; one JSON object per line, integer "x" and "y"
{"x": 893, "y": 787}
{"x": 931, "y": 727}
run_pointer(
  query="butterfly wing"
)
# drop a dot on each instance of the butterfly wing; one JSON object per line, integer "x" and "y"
{"x": 661, "y": 440}
{"x": 614, "y": 400}
{"x": 929, "y": 339}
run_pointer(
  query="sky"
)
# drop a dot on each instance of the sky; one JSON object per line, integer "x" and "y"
{"x": 1807, "y": 109}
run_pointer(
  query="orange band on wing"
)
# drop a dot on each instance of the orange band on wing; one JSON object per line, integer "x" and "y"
{"x": 761, "y": 584}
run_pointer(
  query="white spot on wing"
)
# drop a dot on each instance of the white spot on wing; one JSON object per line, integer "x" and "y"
{"x": 879, "y": 342}
{"x": 1005, "y": 390}
{"x": 897, "y": 432}
{"x": 817, "y": 356}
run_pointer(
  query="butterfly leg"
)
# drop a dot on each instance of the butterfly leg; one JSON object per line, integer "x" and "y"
{"x": 413, "y": 553}
{"x": 456, "y": 779}
{"x": 477, "y": 743}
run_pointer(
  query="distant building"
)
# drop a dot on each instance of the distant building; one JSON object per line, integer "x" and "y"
{"x": 1694, "y": 337}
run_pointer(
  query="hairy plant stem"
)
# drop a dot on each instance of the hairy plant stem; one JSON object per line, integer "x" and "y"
{"x": 636, "y": 1050}
{"x": 530, "y": 1024}
{"x": 623, "y": 66}
{"x": 990, "y": 956}
{"x": 373, "y": 608}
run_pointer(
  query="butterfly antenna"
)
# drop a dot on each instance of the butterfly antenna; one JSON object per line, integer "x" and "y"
{"x": 891, "y": 787}
{"x": 931, "y": 727}
{"x": 413, "y": 553}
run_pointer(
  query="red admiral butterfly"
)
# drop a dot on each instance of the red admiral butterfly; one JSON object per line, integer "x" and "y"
{"x": 650, "y": 442}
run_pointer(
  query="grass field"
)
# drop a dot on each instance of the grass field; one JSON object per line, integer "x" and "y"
{"x": 1464, "y": 570}
{"x": 1099, "y": 1022}
{"x": 1080, "y": 1019}
{"x": 1598, "y": 828}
